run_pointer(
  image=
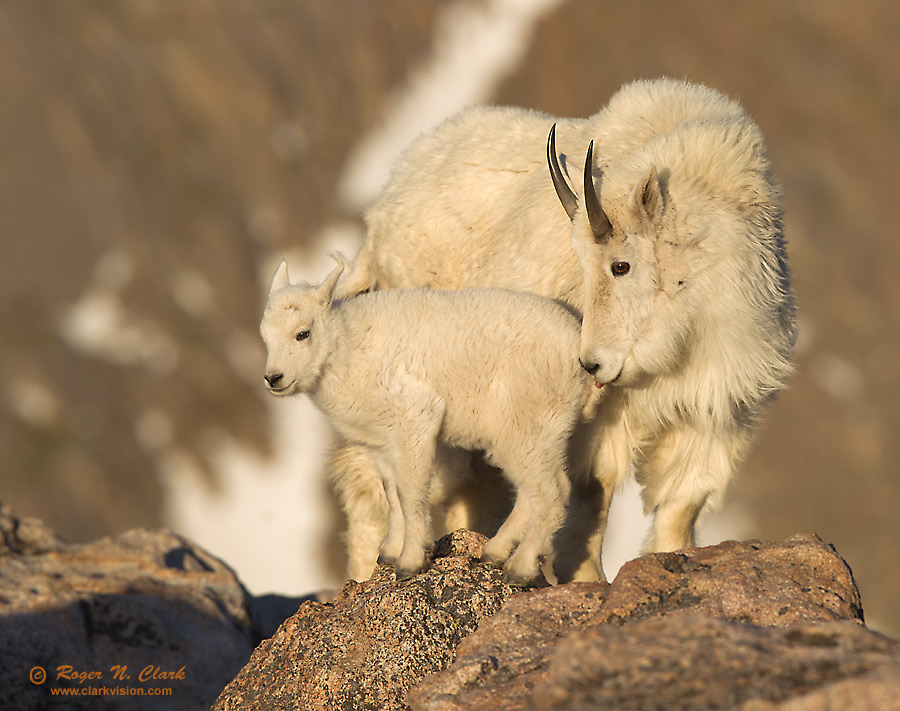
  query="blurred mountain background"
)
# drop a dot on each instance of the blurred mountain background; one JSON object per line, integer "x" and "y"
{"x": 158, "y": 158}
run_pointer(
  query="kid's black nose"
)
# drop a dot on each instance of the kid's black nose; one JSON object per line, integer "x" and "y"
{"x": 592, "y": 368}
{"x": 273, "y": 378}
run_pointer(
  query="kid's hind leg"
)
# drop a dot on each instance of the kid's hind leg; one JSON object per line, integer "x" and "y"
{"x": 542, "y": 491}
{"x": 548, "y": 512}
{"x": 499, "y": 548}
{"x": 360, "y": 490}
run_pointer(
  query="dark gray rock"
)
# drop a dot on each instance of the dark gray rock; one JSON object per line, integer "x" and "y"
{"x": 146, "y": 603}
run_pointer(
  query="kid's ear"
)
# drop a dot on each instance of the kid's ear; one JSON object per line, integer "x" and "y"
{"x": 280, "y": 280}
{"x": 326, "y": 290}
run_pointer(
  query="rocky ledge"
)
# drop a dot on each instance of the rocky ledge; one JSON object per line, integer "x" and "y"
{"x": 146, "y": 620}
{"x": 756, "y": 626}
{"x": 751, "y": 626}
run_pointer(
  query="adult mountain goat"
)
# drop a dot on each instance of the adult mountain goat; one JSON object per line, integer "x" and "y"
{"x": 671, "y": 245}
{"x": 506, "y": 382}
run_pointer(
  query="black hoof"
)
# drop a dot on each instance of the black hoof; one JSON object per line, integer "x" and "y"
{"x": 404, "y": 574}
{"x": 516, "y": 581}
{"x": 490, "y": 560}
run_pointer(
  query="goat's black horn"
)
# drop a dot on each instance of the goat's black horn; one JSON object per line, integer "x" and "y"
{"x": 600, "y": 224}
{"x": 563, "y": 191}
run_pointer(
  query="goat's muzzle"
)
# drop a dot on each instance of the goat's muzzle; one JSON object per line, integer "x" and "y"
{"x": 590, "y": 368}
{"x": 273, "y": 379}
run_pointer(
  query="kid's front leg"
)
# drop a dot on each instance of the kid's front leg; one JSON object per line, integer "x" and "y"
{"x": 417, "y": 422}
{"x": 392, "y": 545}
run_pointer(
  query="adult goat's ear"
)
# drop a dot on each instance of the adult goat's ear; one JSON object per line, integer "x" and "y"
{"x": 280, "y": 280}
{"x": 326, "y": 290}
{"x": 647, "y": 197}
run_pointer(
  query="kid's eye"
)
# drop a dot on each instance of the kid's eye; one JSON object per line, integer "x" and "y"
{"x": 303, "y": 335}
{"x": 620, "y": 268}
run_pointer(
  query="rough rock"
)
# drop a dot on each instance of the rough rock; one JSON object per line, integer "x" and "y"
{"x": 697, "y": 662}
{"x": 364, "y": 649}
{"x": 705, "y": 628}
{"x": 753, "y": 626}
{"x": 800, "y": 579}
{"x": 150, "y": 601}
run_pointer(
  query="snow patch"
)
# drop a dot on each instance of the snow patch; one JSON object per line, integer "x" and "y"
{"x": 266, "y": 518}
{"x": 99, "y": 325}
{"x": 475, "y": 47}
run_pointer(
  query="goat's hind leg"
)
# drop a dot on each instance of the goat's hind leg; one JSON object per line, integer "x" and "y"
{"x": 360, "y": 490}
{"x": 499, "y": 548}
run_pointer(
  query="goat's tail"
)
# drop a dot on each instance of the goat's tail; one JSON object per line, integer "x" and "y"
{"x": 360, "y": 276}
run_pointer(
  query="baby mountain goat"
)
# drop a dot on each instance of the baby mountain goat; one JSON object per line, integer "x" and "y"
{"x": 404, "y": 372}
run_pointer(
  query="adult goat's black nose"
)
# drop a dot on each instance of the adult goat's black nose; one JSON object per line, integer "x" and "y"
{"x": 273, "y": 378}
{"x": 592, "y": 368}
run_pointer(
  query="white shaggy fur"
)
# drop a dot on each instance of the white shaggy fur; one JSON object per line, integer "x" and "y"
{"x": 695, "y": 337}
{"x": 401, "y": 372}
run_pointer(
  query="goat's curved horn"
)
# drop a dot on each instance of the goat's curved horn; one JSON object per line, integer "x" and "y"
{"x": 563, "y": 191}
{"x": 600, "y": 224}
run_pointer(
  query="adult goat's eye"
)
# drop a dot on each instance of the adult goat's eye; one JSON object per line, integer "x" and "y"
{"x": 303, "y": 335}
{"x": 620, "y": 268}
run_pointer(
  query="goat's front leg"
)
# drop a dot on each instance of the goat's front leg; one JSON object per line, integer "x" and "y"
{"x": 392, "y": 545}
{"x": 579, "y": 543}
{"x": 688, "y": 468}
